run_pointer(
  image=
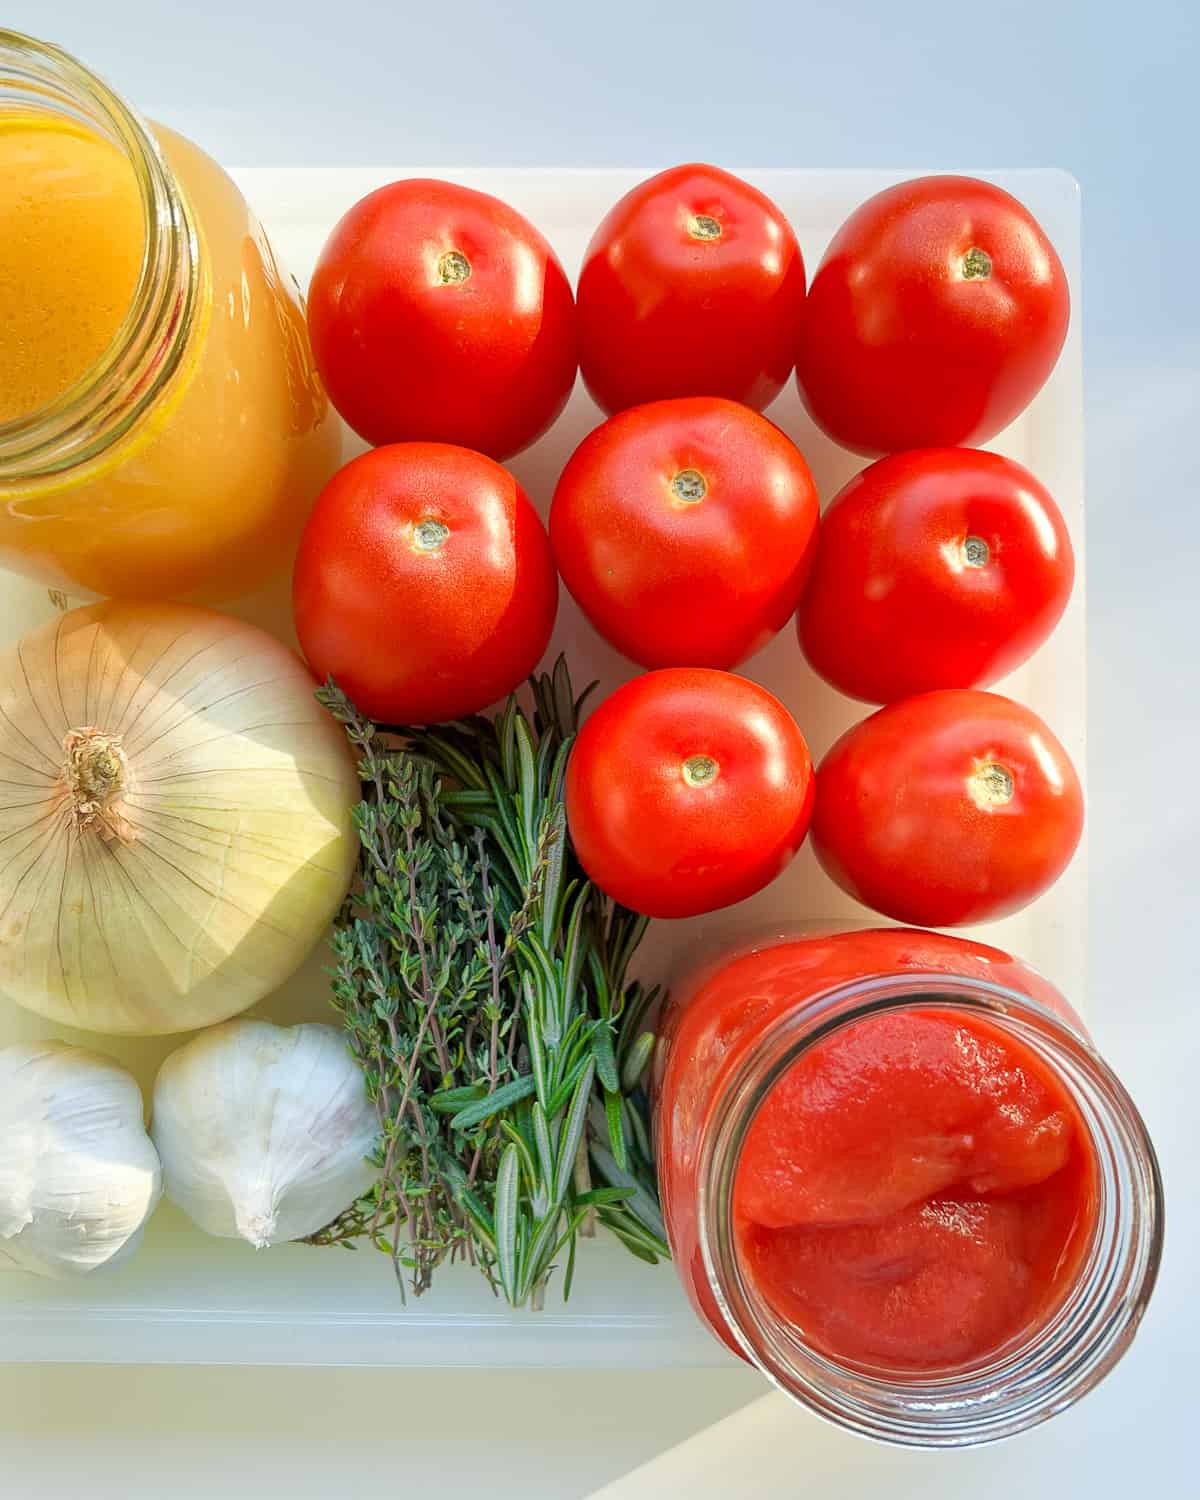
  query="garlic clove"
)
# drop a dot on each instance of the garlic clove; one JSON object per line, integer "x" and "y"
{"x": 79, "y": 1176}
{"x": 264, "y": 1130}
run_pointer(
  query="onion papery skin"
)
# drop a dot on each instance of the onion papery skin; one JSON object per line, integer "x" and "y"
{"x": 175, "y": 818}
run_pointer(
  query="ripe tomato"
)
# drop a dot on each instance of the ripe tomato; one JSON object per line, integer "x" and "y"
{"x": 934, "y": 318}
{"x": 685, "y": 529}
{"x": 950, "y": 807}
{"x": 688, "y": 790}
{"x": 424, "y": 583}
{"x": 692, "y": 286}
{"x": 440, "y": 313}
{"x": 937, "y": 568}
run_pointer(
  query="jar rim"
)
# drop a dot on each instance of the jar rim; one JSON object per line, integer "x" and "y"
{"x": 111, "y": 397}
{"x": 1033, "y": 1378}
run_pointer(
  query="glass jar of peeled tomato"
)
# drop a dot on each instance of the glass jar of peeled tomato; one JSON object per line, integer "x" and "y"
{"x": 163, "y": 432}
{"x": 898, "y": 1179}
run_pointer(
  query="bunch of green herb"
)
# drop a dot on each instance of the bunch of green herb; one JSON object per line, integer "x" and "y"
{"x": 484, "y": 986}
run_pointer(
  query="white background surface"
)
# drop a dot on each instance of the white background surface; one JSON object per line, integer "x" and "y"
{"x": 1108, "y": 93}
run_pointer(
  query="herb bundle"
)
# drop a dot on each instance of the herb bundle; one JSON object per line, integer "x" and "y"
{"x": 484, "y": 987}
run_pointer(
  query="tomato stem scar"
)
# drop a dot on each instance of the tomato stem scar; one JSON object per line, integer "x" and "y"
{"x": 704, "y": 227}
{"x": 429, "y": 536}
{"x": 453, "y": 267}
{"x": 976, "y": 265}
{"x": 700, "y": 770}
{"x": 991, "y": 785}
{"x": 976, "y": 552}
{"x": 690, "y": 486}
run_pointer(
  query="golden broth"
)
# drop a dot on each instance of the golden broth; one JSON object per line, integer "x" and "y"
{"x": 205, "y": 497}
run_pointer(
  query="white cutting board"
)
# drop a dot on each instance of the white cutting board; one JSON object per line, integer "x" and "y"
{"x": 186, "y": 1298}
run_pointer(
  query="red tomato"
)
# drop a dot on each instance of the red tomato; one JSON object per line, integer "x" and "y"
{"x": 950, "y": 807}
{"x": 937, "y": 568}
{"x": 692, "y": 286}
{"x": 440, "y": 313}
{"x": 688, "y": 790}
{"x": 424, "y": 583}
{"x": 934, "y": 318}
{"x": 685, "y": 530}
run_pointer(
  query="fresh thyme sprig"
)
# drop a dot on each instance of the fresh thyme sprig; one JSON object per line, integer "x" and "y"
{"x": 484, "y": 986}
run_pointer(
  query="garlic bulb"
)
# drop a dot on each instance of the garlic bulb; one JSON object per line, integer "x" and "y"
{"x": 175, "y": 815}
{"x": 79, "y": 1176}
{"x": 264, "y": 1130}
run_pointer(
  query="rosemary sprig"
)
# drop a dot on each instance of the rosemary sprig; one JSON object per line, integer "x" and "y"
{"x": 484, "y": 986}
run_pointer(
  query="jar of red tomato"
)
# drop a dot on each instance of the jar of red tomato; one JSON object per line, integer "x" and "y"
{"x": 898, "y": 1179}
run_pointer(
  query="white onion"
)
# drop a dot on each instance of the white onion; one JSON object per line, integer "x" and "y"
{"x": 175, "y": 818}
